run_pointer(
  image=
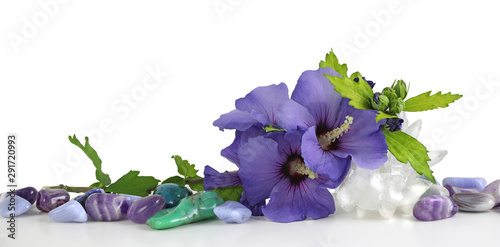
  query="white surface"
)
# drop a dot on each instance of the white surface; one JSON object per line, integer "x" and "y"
{"x": 76, "y": 71}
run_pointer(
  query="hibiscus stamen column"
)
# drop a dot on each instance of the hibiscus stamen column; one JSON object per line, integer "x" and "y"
{"x": 325, "y": 140}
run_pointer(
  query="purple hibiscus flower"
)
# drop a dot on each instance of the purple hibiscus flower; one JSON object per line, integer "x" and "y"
{"x": 272, "y": 167}
{"x": 334, "y": 131}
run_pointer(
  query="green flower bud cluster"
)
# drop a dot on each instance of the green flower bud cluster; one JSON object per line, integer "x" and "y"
{"x": 391, "y": 99}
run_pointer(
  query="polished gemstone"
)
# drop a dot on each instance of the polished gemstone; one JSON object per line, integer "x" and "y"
{"x": 28, "y": 193}
{"x": 233, "y": 212}
{"x": 15, "y": 205}
{"x": 435, "y": 207}
{"x": 474, "y": 202}
{"x": 83, "y": 198}
{"x": 47, "y": 200}
{"x": 197, "y": 207}
{"x": 435, "y": 189}
{"x": 172, "y": 193}
{"x": 453, "y": 190}
{"x": 466, "y": 183}
{"x": 107, "y": 207}
{"x": 142, "y": 209}
{"x": 131, "y": 198}
{"x": 494, "y": 190}
{"x": 71, "y": 211}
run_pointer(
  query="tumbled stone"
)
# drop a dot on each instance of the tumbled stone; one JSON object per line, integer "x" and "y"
{"x": 71, "y": 211}
{"x": 14, "y": 204}
{"x": 83, "y": 198}
{"x": 28, "y": 193}
{"x": 232, "y": 212}
{"x": 494, "y": 190}
{"x": 194, "y": 208}
{"x": 453, "y": 190}
{"x": 142, "y": 209}
{"x": 107, "y": 207}
{"x": 435, "y": 189}
{"x": 172, "y": 193}
{"x": 47, "y": 200}
{"x": 474, "y": 202}
{"x": 131, "y": 198}
{"x": 466, "y": 183}
{"x": 435, "y": 207}
{"x": 162, "y": 212}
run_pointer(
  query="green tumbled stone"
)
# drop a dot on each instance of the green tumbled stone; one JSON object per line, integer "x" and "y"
{"x": 197, "y": 207}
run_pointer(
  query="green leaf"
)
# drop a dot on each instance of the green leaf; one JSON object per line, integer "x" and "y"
{"x": 97, "y": 185}
{"x": 231, "y": 193}
{"x": 92, "y": 154}
{"x": 408, "y": 149}
{"x": 271, "y": 128}
{"x": 425, "y": 101}
{"x": 359, "y": 93}
{"x": 197, "y": 186}
{"x": 332, "y": 62}
{"x": 382, "y": 115}
{"x": 175, "y": 180}
{"x": 133, "y": 184}
{"x": 184, "y": 168}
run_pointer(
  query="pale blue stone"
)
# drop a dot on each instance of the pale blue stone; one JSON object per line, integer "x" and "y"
{"x": 233, "y": 212}
{"x": 71, "y": 211}
{"x": 466, "y": 183}
{"x": 16, "y": 205}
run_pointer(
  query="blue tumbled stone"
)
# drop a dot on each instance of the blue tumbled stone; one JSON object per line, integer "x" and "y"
{"x": 14, "y": 204}
{"x": 71, "y": 211}
{"x": 83, "y": 198}
{"x": 233, "y": 212}
{"x": 466, "y": 183}
{"x": 172, "y": 193}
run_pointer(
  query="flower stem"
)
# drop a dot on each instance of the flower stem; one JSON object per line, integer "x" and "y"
{"x": 71, "y": 188}
{"x": 194, "y": 181}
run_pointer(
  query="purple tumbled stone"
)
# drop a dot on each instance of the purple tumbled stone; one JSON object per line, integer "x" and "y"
{"x": 28, "y": 193}
{"x": 435, "y": 207}
{"x": 107, "y": 207}
{"x": 494, "y": 190}
{"x": 453, "y": 190}
{"x": 466, "y": 183}
{"x": 47, "y": 200}
{"x": 142, "y": 209}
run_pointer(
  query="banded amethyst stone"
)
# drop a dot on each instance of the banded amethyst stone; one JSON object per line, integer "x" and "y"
{"x": 83, "y": 198}
{"x": 435, "y": 207}
{"x": 494, "y": 190}
{"x": 47, "y": 200}
{"x": 107, "y": 207}
{"x": 28, "y": 193}
{"x": 142, "y": 209}
{"x": 466, "y": 183}
{"x": 474, "y": 202}
{"x": 453, "y": 190}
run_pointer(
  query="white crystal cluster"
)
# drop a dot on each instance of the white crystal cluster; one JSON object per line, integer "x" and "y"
{"x": 392, "y": 186}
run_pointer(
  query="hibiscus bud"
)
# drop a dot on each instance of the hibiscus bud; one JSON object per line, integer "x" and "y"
{"x": 391, "y": 95}
{"x": 401, "y": 89}
{"x": 396, "y": 106}
{"x": 380, "y": 102}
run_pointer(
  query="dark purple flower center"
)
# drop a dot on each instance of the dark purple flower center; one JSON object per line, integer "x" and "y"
{"x": 327, "y": 139}
{"x": 295, "y": 169}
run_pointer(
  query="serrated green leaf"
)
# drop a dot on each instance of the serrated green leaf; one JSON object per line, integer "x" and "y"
{"x": 97, "y": 185}
{"x": 359, "y": 93}
{"x": 175, "y": 180}
{"x": 184, "y": 168}
{"x": 92, "y": 154}
{"x": 231, "y": 193}
{"x": 425, "y": 101}
{"x": 332, "y": 62}
{"x": 382, "y": 115}
{"x": 197, "y": 186}
{"x": 408, "y": 149}
{"x": 133, "y": 184}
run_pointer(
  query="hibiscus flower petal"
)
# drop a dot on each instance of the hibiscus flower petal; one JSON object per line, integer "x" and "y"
{"x": 231, "y": 152}
{"x": 292, "y": 116}
{"x": 214, "y": 179}
{"x": 256, "y": 209}
{"x": 321, "y": 161}
{"x": 260, "y": 167}
{"x": 235, "y": 119}
{"x": 262, "y": 102}
{"x": 297, "y": 202}
{"x": 315, "y": 92}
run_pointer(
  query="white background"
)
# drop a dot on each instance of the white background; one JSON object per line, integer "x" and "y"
{"x": 69, "y": 68}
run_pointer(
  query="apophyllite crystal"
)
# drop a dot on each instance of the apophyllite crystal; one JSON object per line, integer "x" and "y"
{"x": 393, "y": 186}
